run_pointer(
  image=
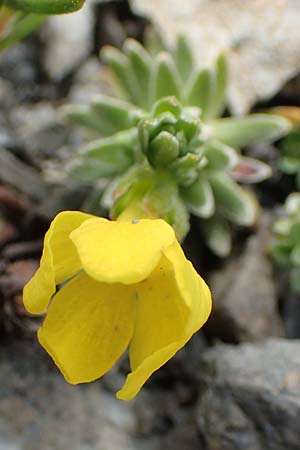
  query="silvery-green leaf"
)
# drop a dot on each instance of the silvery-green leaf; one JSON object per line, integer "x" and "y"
{"x": 295, "y": 233}
{"x": 183, "y": 57}
{"x": 250, "y": 170}
{"x": 295, "y": 255}
{"x": 292, "y": 203}
{"x": 141, "y": 63}
{"x": 290, "y": 146}
{"x": 289, "y": 164}
{"x": 282, "y": 227}
{"x": 110, "y": 156}
{"x": 200, "y": 91}
{"x": 220, "y": 156}
{"x": 88, "y": 171}
{"x": 154, "y": 42}
{"x": 220, "y": 85}
{"x": 124, "y": 76}
{"x": 83, "y": 116}
{"x": 217, "y": 236}
{"x": 241, "y": 131}
{"x": 164, "y": 79}
{"x": 280, "y": 252}
{"x": 186, "y": 169}
{"x": 114, "y": 115}
{"x": 232, "y": 201}
{"x": 199, "y": 198}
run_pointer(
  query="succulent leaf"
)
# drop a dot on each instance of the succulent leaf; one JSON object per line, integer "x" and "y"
{"x": 217, "y": 236}
{"x": 220, "y": 85}
{"x": 241, "y": 131}
{"x": 232, "y": 201}
{"x": 165, "y": 79}
{"x": 83, "y": 116}
{"x": 295, "y": 255}
{"x": 250, "y": 170}
{"x": 104, "y": 158}
{"x": 200, "y": 92}
{"x": 184, "y": 58}
{"x": 124, "y": 75}
{"x": 140, "y": 62}
{"x": 115, "y": 115}
{"x": 199, "y": 198}
{"x": 220, "y": 156}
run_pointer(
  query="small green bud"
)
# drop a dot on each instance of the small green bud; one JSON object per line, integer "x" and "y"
{"x": 163, "y": 150}
{"x": 167, "y": 104}
{"x": 186, "y": 169}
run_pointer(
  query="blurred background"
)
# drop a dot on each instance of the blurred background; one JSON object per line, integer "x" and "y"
{"x": 236, "y": 384}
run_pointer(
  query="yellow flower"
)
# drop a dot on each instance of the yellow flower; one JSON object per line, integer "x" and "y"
{"x": 128, "y": 284}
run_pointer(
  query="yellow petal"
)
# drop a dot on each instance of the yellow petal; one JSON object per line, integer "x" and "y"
{"x": 172, "y": 305}
{"x": 87, "y": 327}
{"x": 121, "y": 252}
{"x": 58, "y": 263}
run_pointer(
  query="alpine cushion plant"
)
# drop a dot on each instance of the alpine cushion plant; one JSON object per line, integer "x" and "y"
{"x": 165, "y": 115}
{"x": 126, "y": 283}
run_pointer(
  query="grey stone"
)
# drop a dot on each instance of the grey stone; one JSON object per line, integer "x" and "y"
{"x": 251, "y": 397}
{"x": 39, "y": 128}
{"x": 262, "y": 39}
{"x": 21, "y": 176}
{"x": 40, "y": 411}
{"x": 244, "y": 296}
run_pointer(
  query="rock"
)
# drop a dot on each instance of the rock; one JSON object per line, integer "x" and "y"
{"x": 262, "y": 39}
{"x": 20, "y": 70}
{"x": 244, "y": 295}
{"x": 291, "y": 312}
{"x": 52, "y": 414}
{"x": 69, "y": 39}
{"x": 39, "y": 128}
{"x": 21, "y": 176}
{"x": 251, "y": 397}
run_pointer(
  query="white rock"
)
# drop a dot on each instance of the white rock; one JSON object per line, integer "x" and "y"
{"x": 262, "y": 38}
{"x": 69, "y": 39}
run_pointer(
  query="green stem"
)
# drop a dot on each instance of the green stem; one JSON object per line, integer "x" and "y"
{"x": 24, "y": 26}
{"x": 46, "y": 6}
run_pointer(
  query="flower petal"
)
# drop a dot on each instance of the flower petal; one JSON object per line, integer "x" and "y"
{"x": 121, "y": 252}
{"x": 173, "y": 304}
{"x": 88, "y": 326}
{"x": 58, "y": 263}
